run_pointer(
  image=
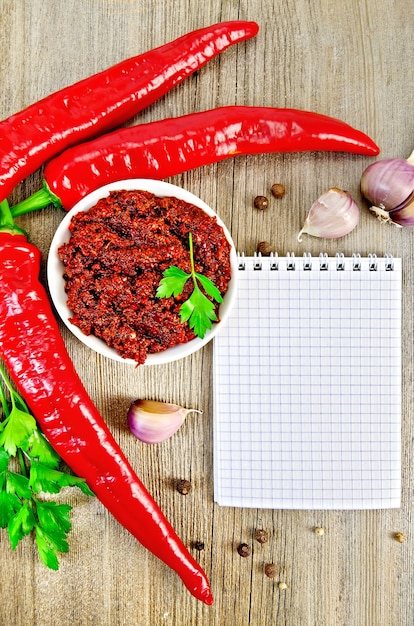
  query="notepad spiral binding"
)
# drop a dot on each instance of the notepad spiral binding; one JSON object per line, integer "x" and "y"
{"x": 321, "y": 261}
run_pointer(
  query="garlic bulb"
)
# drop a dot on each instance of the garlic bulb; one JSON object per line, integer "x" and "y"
{"x": 389, "y": 185}
{"x": 152, "y": 421}
{"x": 334, "y": 214}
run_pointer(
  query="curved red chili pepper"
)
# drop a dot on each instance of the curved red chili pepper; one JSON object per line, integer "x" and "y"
{"x": 172, "y": 146}
{"x": 103, "y": 101}
{"x": 35, "y": 354}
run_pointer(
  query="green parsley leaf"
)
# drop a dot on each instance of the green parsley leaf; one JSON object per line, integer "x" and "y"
{"x": 9, "y": 505}
{"x": 173, "y": 282}
{"x": 198, "y": 310}
{"x": 51, "y": 531}
{"x": 82, "y": 485}
{"x": 209, "y": 287}
{"x": 54, "y": 517}
{"x": 21, "y": 510}
{"x": 19, "y": 426}
{"x": 4, "y": 459}
{"x": 48, "y": 544}
{"x": 18, "y": 484}
{"x": 47, "y": 479}
{"x": 40, "y": 449}
{"x": 21, "y": 524}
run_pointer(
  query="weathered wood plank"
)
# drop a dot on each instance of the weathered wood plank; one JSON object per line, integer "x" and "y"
{"x": 346, "y": 59}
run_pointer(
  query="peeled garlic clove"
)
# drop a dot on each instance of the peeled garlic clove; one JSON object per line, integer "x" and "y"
{"x": 152, "y": 421}
{"x": 334, "y": 214}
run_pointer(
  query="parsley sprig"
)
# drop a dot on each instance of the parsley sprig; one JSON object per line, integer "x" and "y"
{"x": 198, "y": 310}
{"x": 28, "y": 469}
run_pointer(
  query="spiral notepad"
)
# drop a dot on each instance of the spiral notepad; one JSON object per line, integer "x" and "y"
{"x": 307, "y": 385}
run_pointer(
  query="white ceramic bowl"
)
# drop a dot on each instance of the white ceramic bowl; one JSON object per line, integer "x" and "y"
{"x": 55, "y": 270}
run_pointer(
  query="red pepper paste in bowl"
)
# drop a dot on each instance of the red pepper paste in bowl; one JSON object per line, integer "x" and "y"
{"x": 114, "y": 262}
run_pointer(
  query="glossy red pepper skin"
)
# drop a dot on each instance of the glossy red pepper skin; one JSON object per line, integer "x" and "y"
{"x": 105, "y": 100}
{"x": 34, "y": 352}
{"x": 172, "y": 146}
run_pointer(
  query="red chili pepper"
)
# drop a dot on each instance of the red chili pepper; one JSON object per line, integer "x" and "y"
{"x": 35, "y": 354}
{"x": 103, "y": 101}
{"x": 172, "y": 146}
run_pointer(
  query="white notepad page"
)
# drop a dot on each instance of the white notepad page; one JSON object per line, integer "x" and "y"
{"x": 307, "y": 386}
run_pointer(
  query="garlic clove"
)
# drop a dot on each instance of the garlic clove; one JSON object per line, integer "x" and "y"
{"x": 388, "y": 183}
{"x": 334, "y": 214}
{"x": 403, "y": 216}
{"x": 152, "y": 421}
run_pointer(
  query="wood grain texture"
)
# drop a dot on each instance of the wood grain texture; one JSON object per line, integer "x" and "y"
{"x": 351, "y": 60}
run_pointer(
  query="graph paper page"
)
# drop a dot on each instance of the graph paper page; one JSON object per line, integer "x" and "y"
{"x": 307, "y": 387}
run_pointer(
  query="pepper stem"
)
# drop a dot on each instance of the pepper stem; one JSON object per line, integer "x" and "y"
{"x": 6, "y": 220}
{"x": 39, "y": 200}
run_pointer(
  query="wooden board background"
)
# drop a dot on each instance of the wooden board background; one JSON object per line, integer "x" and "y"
{"x": 350, "y": 59}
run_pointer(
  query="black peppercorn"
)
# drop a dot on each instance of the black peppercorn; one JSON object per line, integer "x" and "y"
{"x": 261, "y": 203}
{"x": 243, "y": 549}
{"x": 270, "y": 570}
{"x": 183, "y": 487}
{"x": 278, "y": 190}
{"x": 264, "y": 248}
{"x": 262, "y": 536}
